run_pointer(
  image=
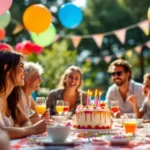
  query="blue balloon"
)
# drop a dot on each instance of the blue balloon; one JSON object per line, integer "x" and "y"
{"x": 70, "y": 15}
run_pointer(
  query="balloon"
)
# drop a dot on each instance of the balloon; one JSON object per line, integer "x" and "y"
{"x": 37, "y": 18}
{"x": 5, "y": 46}
{"x": 148, "y": 14}
{"x": 45, "y": 38}
{"x": 19, "y": 47}
{"x": 70, "y": 15}
{"x": 4, "y": 6}
{"x": 37, "y": 49}
{"x": 2, "y": 34}
{"x": 5, "y": 19}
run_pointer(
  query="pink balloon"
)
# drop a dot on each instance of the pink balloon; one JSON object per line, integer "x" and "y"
{"x": 19, "y": 47}
{"x": 5, "y": 5}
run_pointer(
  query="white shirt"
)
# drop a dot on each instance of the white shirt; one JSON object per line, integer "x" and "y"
{"x": 125, "y": 106}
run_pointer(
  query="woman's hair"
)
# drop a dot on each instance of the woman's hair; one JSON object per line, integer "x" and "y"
{"x": 146, "y": 77}
{"x": 31, "y": 68}
{"x": 62, "y": 83}
{"x": 8, "y": 63}
{"x": 123, "y": 63}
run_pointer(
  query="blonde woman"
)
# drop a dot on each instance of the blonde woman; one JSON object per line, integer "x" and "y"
{"x": 69, "y": 90}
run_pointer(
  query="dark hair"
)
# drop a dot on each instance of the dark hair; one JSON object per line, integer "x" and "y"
{"x": 11, "y": 59}
{"x": 123, "y": 63}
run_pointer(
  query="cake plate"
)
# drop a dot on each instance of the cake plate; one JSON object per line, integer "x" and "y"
{"x": 93, "y": 130}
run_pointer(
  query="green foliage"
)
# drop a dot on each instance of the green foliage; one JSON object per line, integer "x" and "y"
{"x": 54, "y": 62}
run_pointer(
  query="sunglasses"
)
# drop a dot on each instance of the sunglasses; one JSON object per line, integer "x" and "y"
{"x": 119, "y": 73}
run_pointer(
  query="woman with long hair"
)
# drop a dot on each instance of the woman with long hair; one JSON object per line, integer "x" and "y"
{"x": 12, "y": 118}
{"x": 69, "y": 90}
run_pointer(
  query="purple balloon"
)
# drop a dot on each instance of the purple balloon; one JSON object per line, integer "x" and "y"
{"x": 5, "y": 5}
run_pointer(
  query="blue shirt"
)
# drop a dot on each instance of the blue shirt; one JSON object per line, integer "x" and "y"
{"x": 113, "y": 94}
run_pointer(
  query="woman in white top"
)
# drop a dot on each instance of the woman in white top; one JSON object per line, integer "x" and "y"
{"x": 11, "y": 78}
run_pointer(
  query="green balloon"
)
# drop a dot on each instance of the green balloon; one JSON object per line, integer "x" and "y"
{"x": 45, "y": 38}
{"x": 5, "y": 20}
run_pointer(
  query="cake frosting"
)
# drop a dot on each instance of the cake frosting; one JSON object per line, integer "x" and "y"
{"x": 92, "y": 118}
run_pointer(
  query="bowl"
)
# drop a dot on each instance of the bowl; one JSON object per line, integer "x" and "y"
{"x": 59, "y": 119}
{"x": 58, "y": 133}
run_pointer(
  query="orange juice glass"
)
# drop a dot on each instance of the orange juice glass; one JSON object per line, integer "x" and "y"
{"x": 130, "y": 122}
{"x": 60, "y": 109}
{"x": 40, "y": 109}
{"x": 130, "y": 126}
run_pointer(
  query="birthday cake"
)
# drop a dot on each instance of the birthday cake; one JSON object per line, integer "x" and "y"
{"x": 91, "y": 117}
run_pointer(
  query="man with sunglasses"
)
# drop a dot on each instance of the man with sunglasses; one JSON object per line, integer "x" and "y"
{"x": 123, "y": 87}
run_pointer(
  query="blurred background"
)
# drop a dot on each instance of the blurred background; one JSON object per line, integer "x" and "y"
{"x": 109, "y": 29}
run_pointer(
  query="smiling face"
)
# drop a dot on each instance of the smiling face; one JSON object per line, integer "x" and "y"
{"x": 119, "y": 76}
{"x": 73, "y": 80}
{"x": 146, "y": 87}
{"x": 18, "y": 75}
{"x": 34, "y": 81}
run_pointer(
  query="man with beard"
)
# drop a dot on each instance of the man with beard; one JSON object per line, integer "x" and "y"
{"x": 123, "y": 87}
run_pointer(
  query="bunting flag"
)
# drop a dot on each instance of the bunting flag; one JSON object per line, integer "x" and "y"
{"x": 76, "y": 40}
{"x": 121, "y": 35}
{"x": 107, "y": 59}
{"x": 148, "y": 44}
{"x": 119, "y": 55}
{"x": 98, "y": 38}
{"x": 129, "y": 53}
{"x": 144, "y": 26}
{"x": 19, "y": 27}
{"x": 138, "y": 49}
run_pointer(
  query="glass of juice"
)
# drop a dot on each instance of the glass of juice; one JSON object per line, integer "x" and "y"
{"x": 130, "y": 123}
{"x": 66, "y": 107}
{"x": 114, "y": 106}
{"x": 60, "y": 106}
{"x": 40, "y": 106}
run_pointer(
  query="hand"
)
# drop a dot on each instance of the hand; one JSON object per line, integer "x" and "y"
{"x": 46, "y": 114}
{"x": 132, "y": 99}
{"x": 34, "y": 118}
{"x": 40, "y": 127}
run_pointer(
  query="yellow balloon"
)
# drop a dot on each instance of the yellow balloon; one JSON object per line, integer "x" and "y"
{"x": 148, "y": 14}
{"x": 37, "y": 18}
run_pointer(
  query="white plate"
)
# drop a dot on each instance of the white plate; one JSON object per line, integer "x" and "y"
{"x": 47, "y": 142}
{"x": 92, "y": 130}
{"x": 119, "y": 141}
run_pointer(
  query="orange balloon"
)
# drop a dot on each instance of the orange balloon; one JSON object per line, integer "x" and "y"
{"x": 148, "y": 14}
{"x": 37, "y": 18}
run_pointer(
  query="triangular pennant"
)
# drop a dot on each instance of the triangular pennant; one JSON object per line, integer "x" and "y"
{"x": 98, "y": 38}
{"x": 148, "y": 14}
{"x": 56, "y": 37}
{"x": 119, "y": 55}
{"x": 19, "y": 27}
{"x": 76, "y": 40}
{"x": 148, "y": 44}
{"x": 107, "y": 59}
{"x": 138, "y": 49}
{"x": 144, "y": 25}
{"x": 121, "y": 35}
{"x": 129, "y": 53}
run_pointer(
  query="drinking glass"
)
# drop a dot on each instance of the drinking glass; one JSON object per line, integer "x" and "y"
{"x": 40, "y": 106}
{"x": 130, "y": 123}
{"x": 114, "y": 106}
{"x": 66, "y": 107}
{"x": 60, "y": 106}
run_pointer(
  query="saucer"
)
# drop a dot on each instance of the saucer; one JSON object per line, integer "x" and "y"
{"x": 47, "y": 142}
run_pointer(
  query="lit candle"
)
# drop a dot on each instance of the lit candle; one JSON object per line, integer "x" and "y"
{"x": 100, "y": 94}
{"x": 81, "y": 103}
{"x": 87, "y": 97}
{"x": 96, "y": 98}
